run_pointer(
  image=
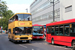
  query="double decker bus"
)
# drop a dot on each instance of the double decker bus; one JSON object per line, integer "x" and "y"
{"x": 38, "y": 31}
{"x": 20, "y": 27}
{"x": 62, "y": 32}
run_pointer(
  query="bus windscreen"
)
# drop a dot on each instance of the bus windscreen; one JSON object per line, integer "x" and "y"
{"x": 38, "y": 29}
{"x": 22, "y": 30}
{"x": 23, "y": 17}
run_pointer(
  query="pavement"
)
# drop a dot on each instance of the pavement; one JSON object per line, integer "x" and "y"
{"x": 5, "y": 44}
{"x": 2, "y": 33}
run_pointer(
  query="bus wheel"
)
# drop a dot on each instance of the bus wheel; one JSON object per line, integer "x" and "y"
{"x": 73, "y": 45}
{"x": 52, "y": 41}
{"x": 9, "y": 40}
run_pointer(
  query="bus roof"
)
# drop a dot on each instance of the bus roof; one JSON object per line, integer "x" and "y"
{"x": 19, "y": 13}
{"x": 61, "y": 22}
{"x": 37, "y": 25}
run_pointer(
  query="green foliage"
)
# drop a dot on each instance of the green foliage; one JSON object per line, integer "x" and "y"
{"x": 53, "y": 21}
{"x": 6, "y": 14}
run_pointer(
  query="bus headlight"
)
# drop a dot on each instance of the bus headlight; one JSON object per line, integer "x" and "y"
{"x": 17, "y": 38}
{"x": 30, "y": 38}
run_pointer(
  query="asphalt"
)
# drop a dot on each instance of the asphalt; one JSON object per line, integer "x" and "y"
{"x": 5, "y": 44}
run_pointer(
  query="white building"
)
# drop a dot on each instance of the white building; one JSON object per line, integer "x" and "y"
{"x": 42, "y": 11}
{"x": 67, "y": 9}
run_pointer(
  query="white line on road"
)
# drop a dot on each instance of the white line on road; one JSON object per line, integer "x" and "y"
{"x": 22, "y": 46}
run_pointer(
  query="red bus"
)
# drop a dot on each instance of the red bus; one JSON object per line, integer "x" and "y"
{"x": 38, "y": 31}
{"x": 62, "y": 32}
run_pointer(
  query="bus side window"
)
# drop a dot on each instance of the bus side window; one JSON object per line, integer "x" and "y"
{"x": 10, "y": 31}
{"x": 61, "y": 29}
{"x": 52, "y": 31}
{"x": 72, "y": 30}
{"x": 48, "y": 30}
{"x": 56, "y": 30}
{"x": 16, "y": 18}
{"x": 66, "y": 30}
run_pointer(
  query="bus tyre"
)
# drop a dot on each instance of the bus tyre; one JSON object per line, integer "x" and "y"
{"x": 52, "y": 41}
{"x": 9, "y": 40}
{"x": 73, "y": 45}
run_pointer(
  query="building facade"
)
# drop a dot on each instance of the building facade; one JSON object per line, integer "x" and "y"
{"x": 42, "y": 11}
{"x": 67, "y": 9}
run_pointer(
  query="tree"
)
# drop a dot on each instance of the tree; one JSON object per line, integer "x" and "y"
{"x": 6, "y": 14}
{"x": 3, "y": 7}
{"x": 53, "y": 21}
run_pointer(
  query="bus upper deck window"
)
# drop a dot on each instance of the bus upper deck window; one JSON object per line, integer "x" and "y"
{"x": 19, "y": 19}
{"x": 24, "y": 20}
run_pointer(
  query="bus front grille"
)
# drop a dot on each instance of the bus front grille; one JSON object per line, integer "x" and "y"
{"x": 24, "y": 38}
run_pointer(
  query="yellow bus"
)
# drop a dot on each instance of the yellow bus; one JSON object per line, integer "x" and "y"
{"x": 20, "y": 27}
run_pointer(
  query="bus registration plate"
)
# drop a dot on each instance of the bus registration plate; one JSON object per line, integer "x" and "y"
{"x": 37, "y": 37}
{"x": 24, "y": 41}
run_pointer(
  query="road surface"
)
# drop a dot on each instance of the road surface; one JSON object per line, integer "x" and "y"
{"x": 5, "y": 44}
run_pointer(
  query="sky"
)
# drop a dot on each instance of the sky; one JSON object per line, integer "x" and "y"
{"x": 19, "y": 5}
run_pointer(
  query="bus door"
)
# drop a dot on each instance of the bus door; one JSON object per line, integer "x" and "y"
{"x": 48, "y": 35}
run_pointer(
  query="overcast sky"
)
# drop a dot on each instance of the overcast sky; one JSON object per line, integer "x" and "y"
{"x": 18, "y": 5}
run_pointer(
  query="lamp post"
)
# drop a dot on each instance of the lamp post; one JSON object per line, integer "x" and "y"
{"x": 52, "y": 1}
{"x": 27, "y": 10}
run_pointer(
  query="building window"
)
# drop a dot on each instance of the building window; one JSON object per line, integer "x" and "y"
{"x": 44, "y": 6}
{"x": 48, "y": 15}
{"x": 35, "y": 3}
{"x": 68, "y": 9}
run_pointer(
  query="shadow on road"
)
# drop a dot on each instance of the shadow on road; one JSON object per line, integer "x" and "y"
{"x": 33, "y": 41}
{"x": 21, "y": 43}
{"x": 38, "y": 39}
{"x": 57, "y": 45}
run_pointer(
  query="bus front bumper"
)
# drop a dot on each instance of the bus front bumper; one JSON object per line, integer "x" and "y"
{"x": 38, "y": 37}
{"x": 22, "y": 40}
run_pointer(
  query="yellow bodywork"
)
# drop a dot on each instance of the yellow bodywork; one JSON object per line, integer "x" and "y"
{"x": 19, "y": 24}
